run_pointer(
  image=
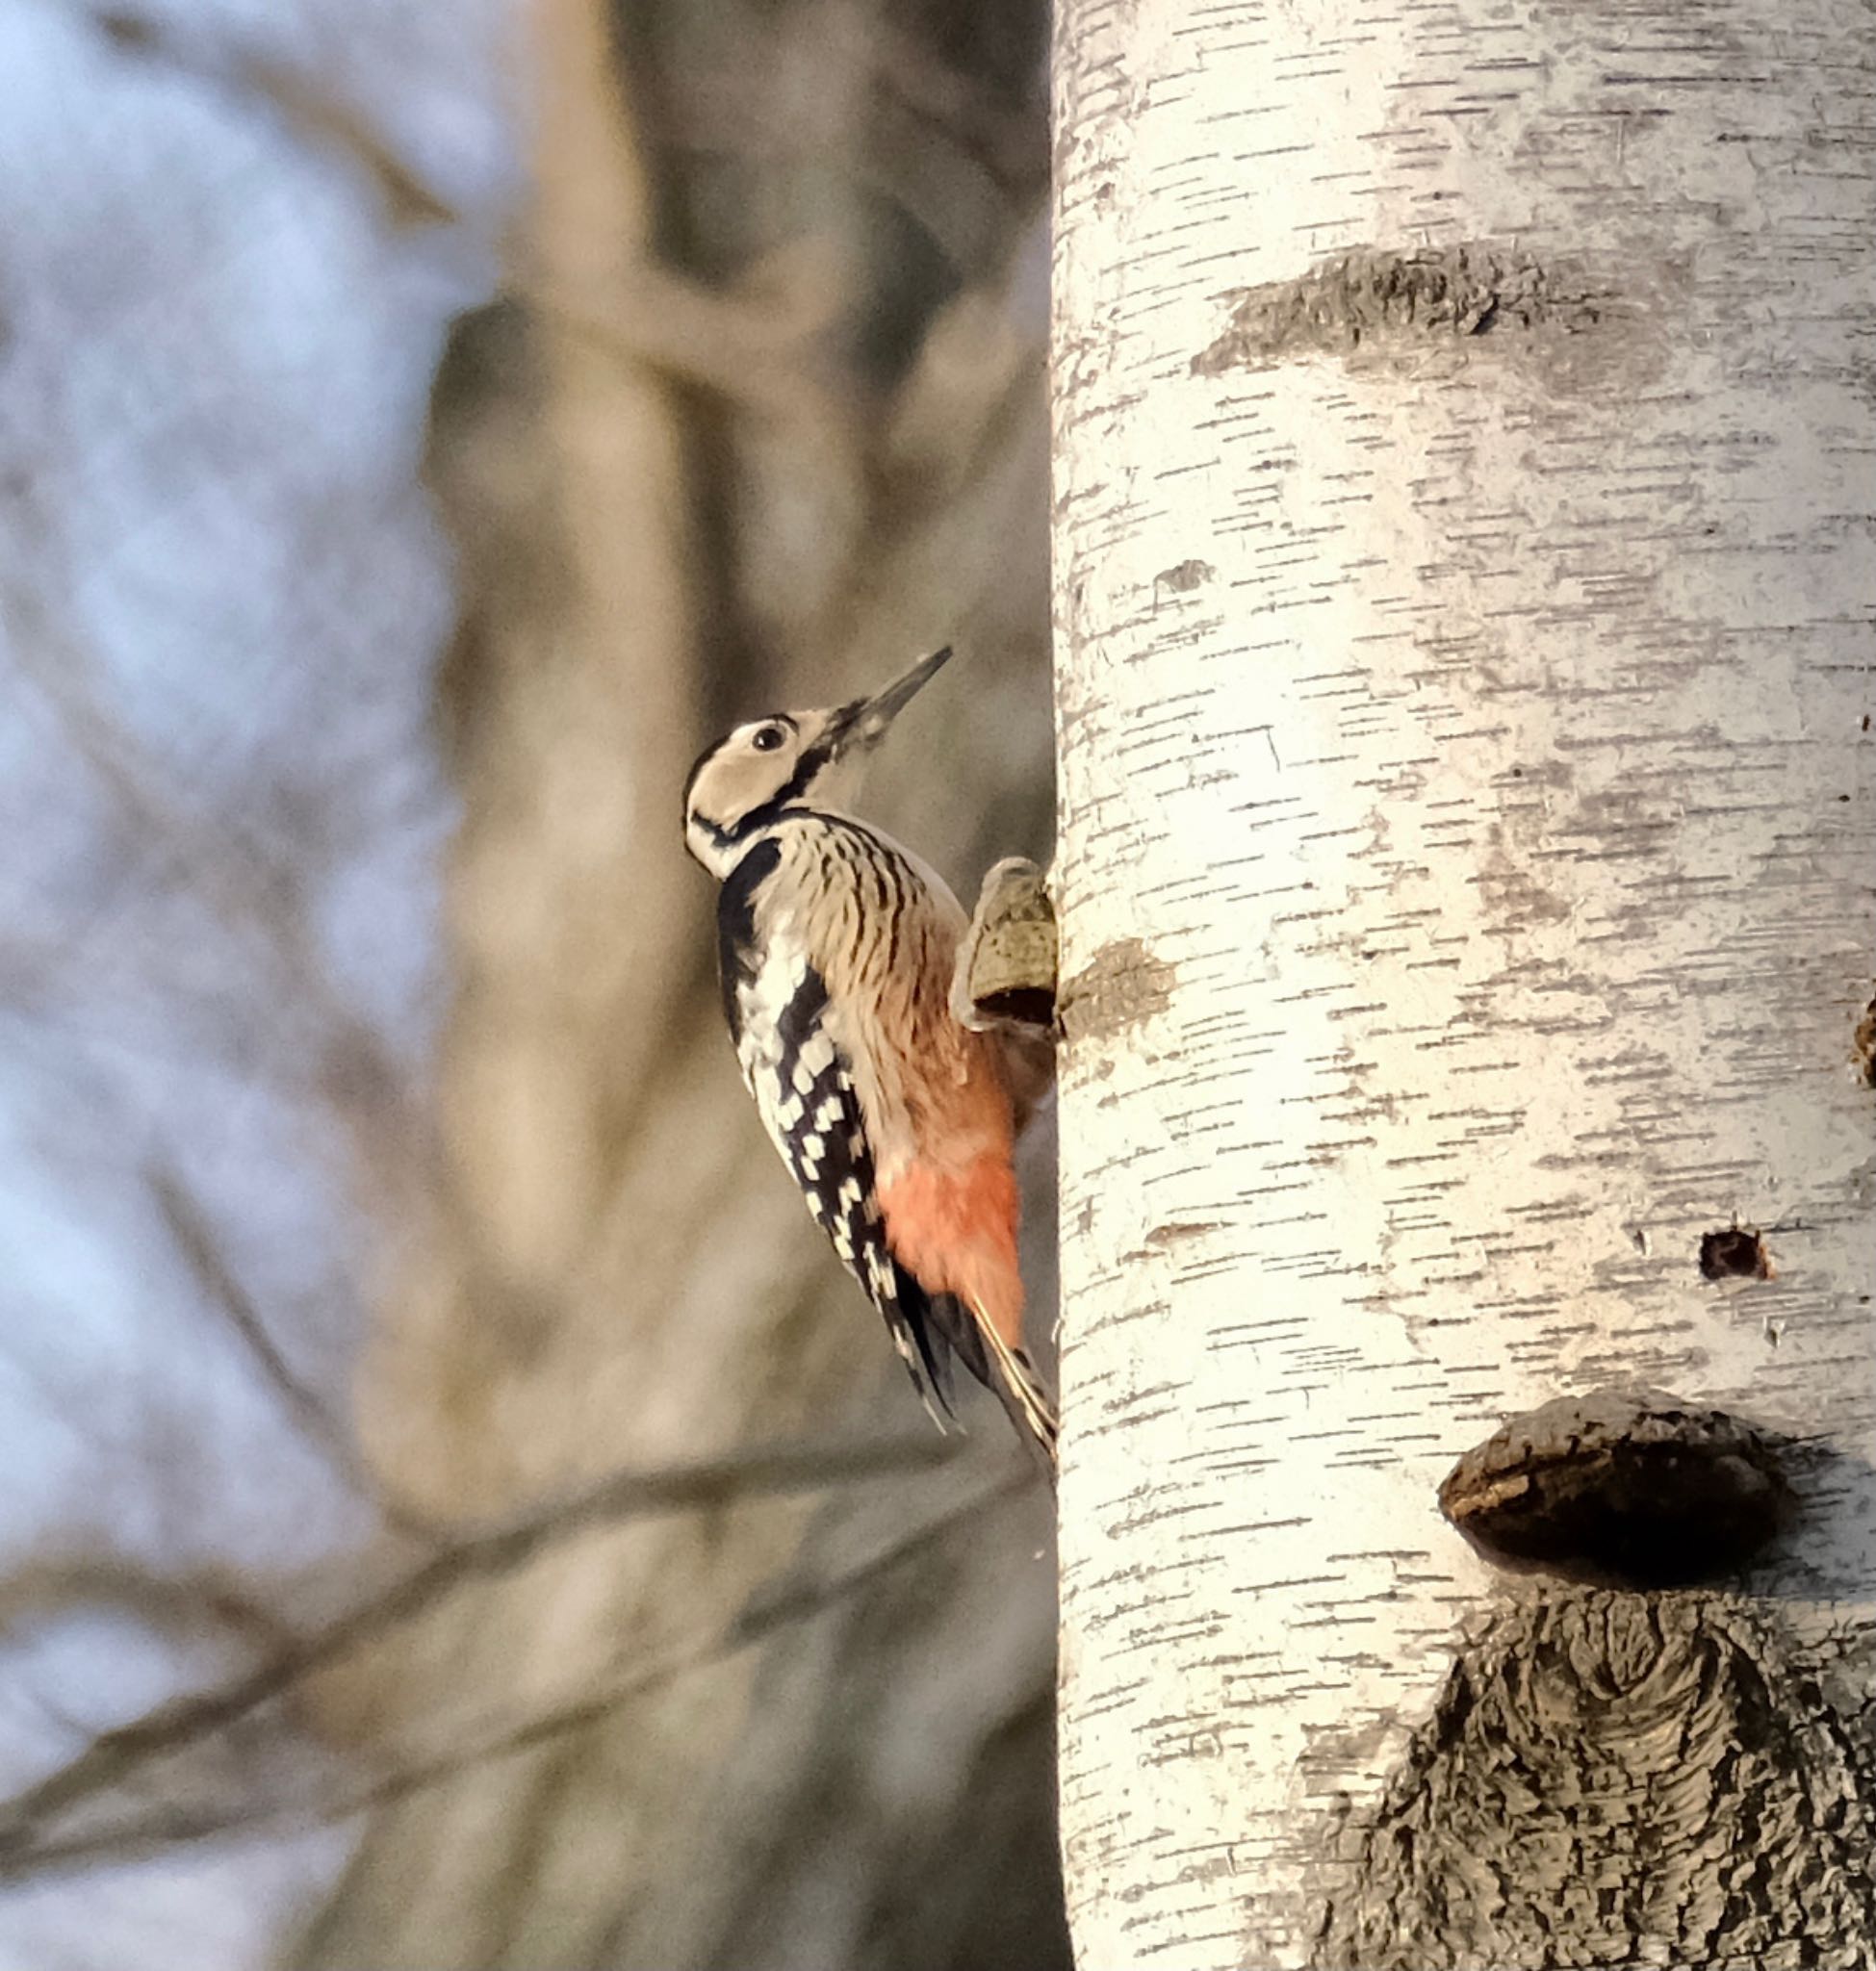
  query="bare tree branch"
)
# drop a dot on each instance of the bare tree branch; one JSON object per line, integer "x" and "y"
{"x": 115, "y": 1757}
{"x": 203, "y": 1602}
{"x": 24, "y": 1851}
{"x": 753, "y": 345}
{"x": 250, "y": 892}
{"x": 197, "y": 1240}
{"x": 315, "y": 116}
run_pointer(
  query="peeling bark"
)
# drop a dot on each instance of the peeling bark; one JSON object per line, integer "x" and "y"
{"x": 1007, "y": 964}
{"x": 1634, "y": 1487}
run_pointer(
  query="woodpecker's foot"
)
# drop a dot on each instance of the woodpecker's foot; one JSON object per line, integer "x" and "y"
{"x": 1006, "y": 965}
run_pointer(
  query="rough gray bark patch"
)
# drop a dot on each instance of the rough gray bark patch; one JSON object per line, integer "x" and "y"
{"x": 1623, "y": 1486}
{"x": 1577, "y": 1797}
{"x": 1120, "y": 985}
{"x": 1383, "y": 300}
{"x": 1183, "y": 576}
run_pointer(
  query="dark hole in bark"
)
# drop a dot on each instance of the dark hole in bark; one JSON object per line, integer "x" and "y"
{"x": 1033, "y": 1006}
{"x": 1634, "y": 1489}
{"x": 1735, "y": 1253}
{"x": 1643, "y": 1517}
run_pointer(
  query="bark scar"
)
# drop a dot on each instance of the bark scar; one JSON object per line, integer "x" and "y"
{"x": 1391, "y": 303}
{"x": 1121, "y": 986}
{"x": 1584, "y": 1774}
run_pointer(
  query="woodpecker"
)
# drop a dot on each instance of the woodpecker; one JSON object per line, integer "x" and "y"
{"x": 836, "y": 950}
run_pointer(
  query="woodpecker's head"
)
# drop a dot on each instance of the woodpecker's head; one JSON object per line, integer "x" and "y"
{"x": 789, "y": 759}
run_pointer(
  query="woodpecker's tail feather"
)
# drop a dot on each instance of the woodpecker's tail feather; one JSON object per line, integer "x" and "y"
{"x": 1014, "y": 1384}
{"x": 930, "y": 1376}
{"x": 934, "y": 1396}
{"x": 931, "y": 1329}
{"x": 924, "y": 1340}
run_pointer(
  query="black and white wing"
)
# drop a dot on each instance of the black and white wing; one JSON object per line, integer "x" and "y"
{"x": 803, "y": 1089}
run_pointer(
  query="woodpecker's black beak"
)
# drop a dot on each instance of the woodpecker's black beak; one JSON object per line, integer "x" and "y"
{"x": 860, "y": 726}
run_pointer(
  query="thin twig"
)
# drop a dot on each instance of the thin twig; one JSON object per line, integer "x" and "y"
{"x": 197, "y": 1241}
{"x": 753, "y": 348}
{"x": 250, "y": 891}
{"x": 115, "y": 1756}
{"x": 208, "y": 1602}
{"x": 313, "y": 114}
{"x": 169, "y": 1826}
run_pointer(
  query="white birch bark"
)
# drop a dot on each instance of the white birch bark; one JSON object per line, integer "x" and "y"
{"x": 1465, "y": 877}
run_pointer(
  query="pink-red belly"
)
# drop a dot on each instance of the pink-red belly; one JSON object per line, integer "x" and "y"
{"x": 955, "y": 1231}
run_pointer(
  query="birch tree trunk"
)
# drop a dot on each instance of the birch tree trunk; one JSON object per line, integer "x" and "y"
{"x": 1464, "y": 577}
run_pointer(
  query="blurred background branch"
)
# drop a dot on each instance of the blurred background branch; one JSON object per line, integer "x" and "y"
{"x": 163, "y": 1751}
{"x": 422, "y": 426}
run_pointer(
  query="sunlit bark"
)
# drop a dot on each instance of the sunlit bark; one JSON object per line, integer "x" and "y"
{"x": 1463, "y": 573}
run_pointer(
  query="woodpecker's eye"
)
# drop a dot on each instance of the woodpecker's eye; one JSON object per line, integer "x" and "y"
{"x": 767, "y": 739}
